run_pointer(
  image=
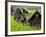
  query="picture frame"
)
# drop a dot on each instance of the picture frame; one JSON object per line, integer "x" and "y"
{"x": 21, "y": 4}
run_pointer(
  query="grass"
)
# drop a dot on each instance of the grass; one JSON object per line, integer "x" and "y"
{"x": 18, "y": 26}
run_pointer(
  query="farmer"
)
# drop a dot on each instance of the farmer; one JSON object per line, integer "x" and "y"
{"x": 17, "y": 14}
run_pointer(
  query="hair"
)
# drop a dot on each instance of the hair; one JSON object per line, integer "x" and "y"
{"x": 18, "y": 11}
{"x": 24, "y": 11}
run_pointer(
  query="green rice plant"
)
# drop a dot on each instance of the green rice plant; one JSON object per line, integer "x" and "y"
{"x": 18, "y": 26}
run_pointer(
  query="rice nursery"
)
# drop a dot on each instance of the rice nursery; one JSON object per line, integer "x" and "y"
{"x": 24, "y": 18}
